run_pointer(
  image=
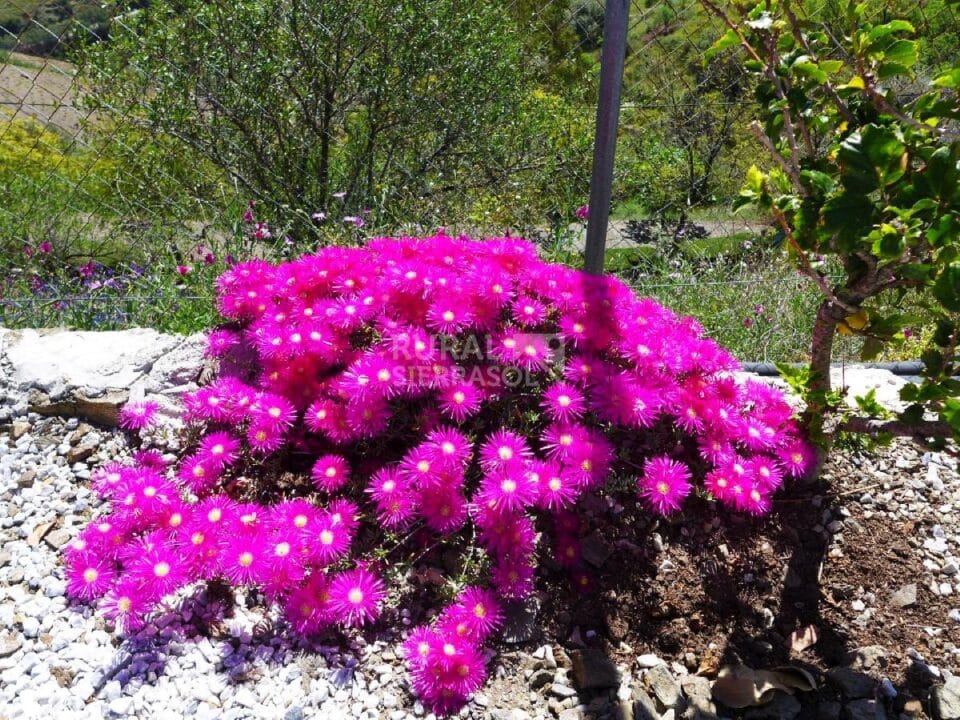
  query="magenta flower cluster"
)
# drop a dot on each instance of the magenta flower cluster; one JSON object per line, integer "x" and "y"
{"x": 435, "y": 384}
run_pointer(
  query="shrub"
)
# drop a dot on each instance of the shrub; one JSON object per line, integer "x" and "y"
{"x": 426, "y": 390}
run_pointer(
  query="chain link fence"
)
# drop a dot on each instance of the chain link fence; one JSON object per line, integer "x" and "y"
{"x": 145, "y": 143}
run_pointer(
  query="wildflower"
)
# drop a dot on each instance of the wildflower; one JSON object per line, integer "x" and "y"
{"x": 184, "y": 269}
{"x": 355, "y": 597}
{"x": 664, "y": 484}
{"x": 138, "y": 415}
{"x": 564, "y": 402}
{"x": 582, "y": 212}
{"x": 330, "y": 472}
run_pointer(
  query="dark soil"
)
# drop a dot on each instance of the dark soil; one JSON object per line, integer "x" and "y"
{"x": 739, "y": 587}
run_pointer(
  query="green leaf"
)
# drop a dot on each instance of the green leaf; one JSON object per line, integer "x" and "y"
{"x": 822, "y": 181}
{"x": 728, "y": 40}
{"x": 810, "y": 70}
{"x": 951, "y": 414}
{"x": 870, "y": 350}
{"x": 947, "y": 287}
{"x": 950, "y": 79}
{"x": 887, "y": 70}
{"x": 894, "y": 26}
{"x": 831, "y": 66}
{"x": 796, "y": 376}
{"x": 902, "y": 52}
{"x": 889, "y": 245}
{"x": 942, "y": 171}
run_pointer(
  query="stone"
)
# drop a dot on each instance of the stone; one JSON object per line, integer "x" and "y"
{"x": 783, "y": 707}
{"x": 562, "y": 691}
{"x": 869, "y": 657}
{"x": 19, "y": 428}
{"x": 648, "y": 661}
{"x": 57, "y": 539}
{"x": 9, "y": 644}
{"x": 570, "y": 714}
{"x": 866, "y": 709}
{"x": 520, "y": 620}
{"x": 945, "y": 700}
{"x": 662, "y": 685}
{"x": 852, "y": 683}
{"x": 121, "y": 706}
{"x": 905, "y": 596}
{"x": 644, "y": 707}
{"x": 593, "y": 670}
{"x": 699, "y": 702}
{"x": 594, "y": 550}
{"x": 31, "y": 627}
{"x": 829, "y": 710}
{"x": 540, "y": 678}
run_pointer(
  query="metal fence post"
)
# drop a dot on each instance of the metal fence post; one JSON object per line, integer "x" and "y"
{"x": 605, "y": 142}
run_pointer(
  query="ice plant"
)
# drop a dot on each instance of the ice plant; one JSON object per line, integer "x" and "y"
{"x": 423, "y": 387}
{"x": 137, "y": 415}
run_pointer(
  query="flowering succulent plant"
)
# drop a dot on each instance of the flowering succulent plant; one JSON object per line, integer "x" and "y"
{"x": 434, "y": 385}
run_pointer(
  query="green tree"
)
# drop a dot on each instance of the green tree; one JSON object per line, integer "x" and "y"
{"x": 411, "y": 106}
{"x": 865, "y": 179}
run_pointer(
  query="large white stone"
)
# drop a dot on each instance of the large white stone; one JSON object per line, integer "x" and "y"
{"x": 91, "y": 374}
{"x": 55, "y": 360}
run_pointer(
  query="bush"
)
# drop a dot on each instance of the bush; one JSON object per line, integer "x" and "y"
{"x": 422, "y": 391}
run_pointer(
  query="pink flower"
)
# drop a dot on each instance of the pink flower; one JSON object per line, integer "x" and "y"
{"x": 45, "y": 248}
{"x": 582, "y": 212}
{"x": 330, "y": 473}
{"x": 356, "y": 596}
{"x": 137, "y": 415}
{"x": 184, "y": 269}
{"x": 664, "y": 484}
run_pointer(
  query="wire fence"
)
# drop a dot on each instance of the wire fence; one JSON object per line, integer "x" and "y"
{"x": 144, "y": 143}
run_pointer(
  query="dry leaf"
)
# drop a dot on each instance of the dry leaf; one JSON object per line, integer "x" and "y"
{"x": 710, "y": 663}
{"x": 803, "y": 638}
{"x": 39, "y": 531}
{"x": 739, "y": 686}
{"x": 795, "y": 677}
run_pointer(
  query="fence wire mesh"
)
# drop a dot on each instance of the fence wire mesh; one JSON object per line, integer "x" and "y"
{"x": 143, "y": 143}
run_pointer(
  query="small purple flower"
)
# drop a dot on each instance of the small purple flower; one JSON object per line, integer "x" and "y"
{"x": 184, "y": 269}
{"x": 319, "y": 216}
{"x": 248, "y": 215}
{"x": 582, "y": 212}
{"x": 209, "y": 259}
{"x": 45, "y": 247}
{"x": 88, "y": 270}
{"x": 748, "y": 322}
{"x": 262, "y": 232}
{"x": 758, "y": 309}
{"x": 355, "y": 220}
{"x": 28, "y": 251}
{"x": 907, "y": 333}
{"x": 747, "y": 244}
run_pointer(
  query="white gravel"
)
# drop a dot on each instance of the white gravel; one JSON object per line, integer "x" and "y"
{"x": 64, "y": 662}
